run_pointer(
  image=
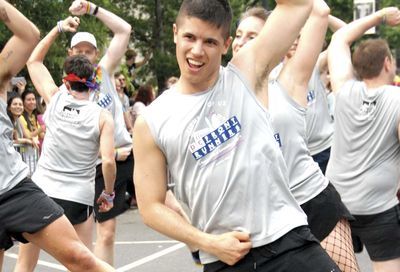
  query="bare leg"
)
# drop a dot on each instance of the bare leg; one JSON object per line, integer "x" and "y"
{"x": 387, "y": 266}
{"x": 104, "y": 248}
{"x": 28, "y": 255}
{"x": 85, "y": 232}
{"x": 339, "y": 247}
{"x": 60, "y": 240}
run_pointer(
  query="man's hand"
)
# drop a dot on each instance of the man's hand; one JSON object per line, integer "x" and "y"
{"x": 390, "y": 16}
{"x": 231, "y": 247}
{"x": 70, "y": 24}
{"x": 122, "y": 153}
{"x": 104, "y": 202}
{"x": 78, "y": 7}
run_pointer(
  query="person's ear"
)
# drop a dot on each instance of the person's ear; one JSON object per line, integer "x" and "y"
{"x": 67, "y": 84}
{"x": 227, "y": 44}
{"x": 175, "y": 31}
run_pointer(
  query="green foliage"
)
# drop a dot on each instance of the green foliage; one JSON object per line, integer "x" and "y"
{"x": 45, "y": 14}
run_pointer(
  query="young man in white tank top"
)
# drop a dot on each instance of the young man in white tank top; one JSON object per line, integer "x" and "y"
{"x": 217, "y": 143}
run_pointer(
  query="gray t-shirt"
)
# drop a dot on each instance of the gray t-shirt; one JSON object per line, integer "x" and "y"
{"x": 67, "y": 167}
{"x": 108, "y": 98}
{"x": 365, "y": 158}
{"x": 289, "y": 122}
{"x": 318, "y": 117}
{"x": 12, "y": 169}
{"x": 222, "y": 155}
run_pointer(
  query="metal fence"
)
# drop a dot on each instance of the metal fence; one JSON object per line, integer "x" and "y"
{"x": 29, "y": 154}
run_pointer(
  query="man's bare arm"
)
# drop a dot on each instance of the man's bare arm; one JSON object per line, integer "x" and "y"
{"x": 107, "y": 150}
{"x": 297, "y": 71}
{"x": 117, "y": 25}
{"x": 40, "y": 75}
{"x": 150, "y": 184}
{"x": 15, "y": 53}
{"x": 274, "y": 40}
{"x": 339, "y": 55}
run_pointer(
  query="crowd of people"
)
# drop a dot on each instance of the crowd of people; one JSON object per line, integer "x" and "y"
{"x": 286, "y": 159}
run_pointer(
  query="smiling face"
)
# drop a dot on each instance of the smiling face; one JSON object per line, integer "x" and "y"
{"x": 199, "y": 48}
{"x": 248, "y": 29}
{"x": 85, "y": 48}
{"x": 16, "y": 107}
{"x": 30, "y": 102}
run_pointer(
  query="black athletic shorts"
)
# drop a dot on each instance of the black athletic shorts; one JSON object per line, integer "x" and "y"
{"x": 380, "y": 233}
{"x": 76, "y": 213}
{"x": 121, "y": 201}
{"x": 324, "y": 211}
{"x": 296, "y": 251}
{"x": 322, "y": 159}
{"x": 25, "y": 208}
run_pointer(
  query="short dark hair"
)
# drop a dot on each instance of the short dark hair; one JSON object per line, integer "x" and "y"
{"x": 80, "y": 66}
{"x": 145, "y": 94}
{"x": 215, "y": 12}
{"x": 130, "y": 53}
{"x": 369, "y": 57}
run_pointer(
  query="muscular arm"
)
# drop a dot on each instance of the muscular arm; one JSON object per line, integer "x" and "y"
{"x": 339, "y": 55}
{"x": 17, "y": 50}
{"x": 151, "y": 187}
{"x": 274, "y": 40}
{"x": 117, "y": 25}
{"x": 297, "y": 70}
{"x": 40, "y": 75}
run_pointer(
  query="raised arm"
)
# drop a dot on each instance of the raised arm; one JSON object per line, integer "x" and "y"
{"x": 297, "y": 70}
{"x": 334, "y": 24}
{"x": 339, "y": 55}
{"x": 16, "y": 52}
{"x": 151, "y": 187}
{"x": 274, "y": 40}
{"x": 40, "y": 76}
{"x": 117, "y": 25}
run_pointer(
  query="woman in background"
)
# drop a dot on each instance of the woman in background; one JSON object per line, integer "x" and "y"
{"x": 32, "y": 129}
{"x": 28, "y": 148}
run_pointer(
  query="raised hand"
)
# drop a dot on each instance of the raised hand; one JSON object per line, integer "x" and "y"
{"x": 78, "y": 7}
{"x": 391, "y": 16}
{"x": 70, "y": 24}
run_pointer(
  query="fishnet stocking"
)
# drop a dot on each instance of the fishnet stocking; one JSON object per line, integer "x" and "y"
{"x": 339, "y": 247}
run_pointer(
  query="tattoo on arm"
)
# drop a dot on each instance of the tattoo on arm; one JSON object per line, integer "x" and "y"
{"x": 3, "y": 15}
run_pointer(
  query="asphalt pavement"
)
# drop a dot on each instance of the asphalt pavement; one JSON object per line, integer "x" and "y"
{"x": 140, "y": 249}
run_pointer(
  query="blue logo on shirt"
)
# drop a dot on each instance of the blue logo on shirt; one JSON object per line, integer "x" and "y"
{"x": 217, "y": 137}
{"x": 310, "y": 96}
{"x": 278, "y": 139}
{"x": 105, "y": 101}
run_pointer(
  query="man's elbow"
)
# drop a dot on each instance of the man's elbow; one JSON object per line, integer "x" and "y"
{"x": 108, "y": 161}
{"x": 322, "y": 11}
{"x": 34, "y": 35}
{"x": 127, "y": 28}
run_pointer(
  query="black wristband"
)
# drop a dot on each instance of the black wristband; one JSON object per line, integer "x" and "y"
{"x": 96, "y": 9}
